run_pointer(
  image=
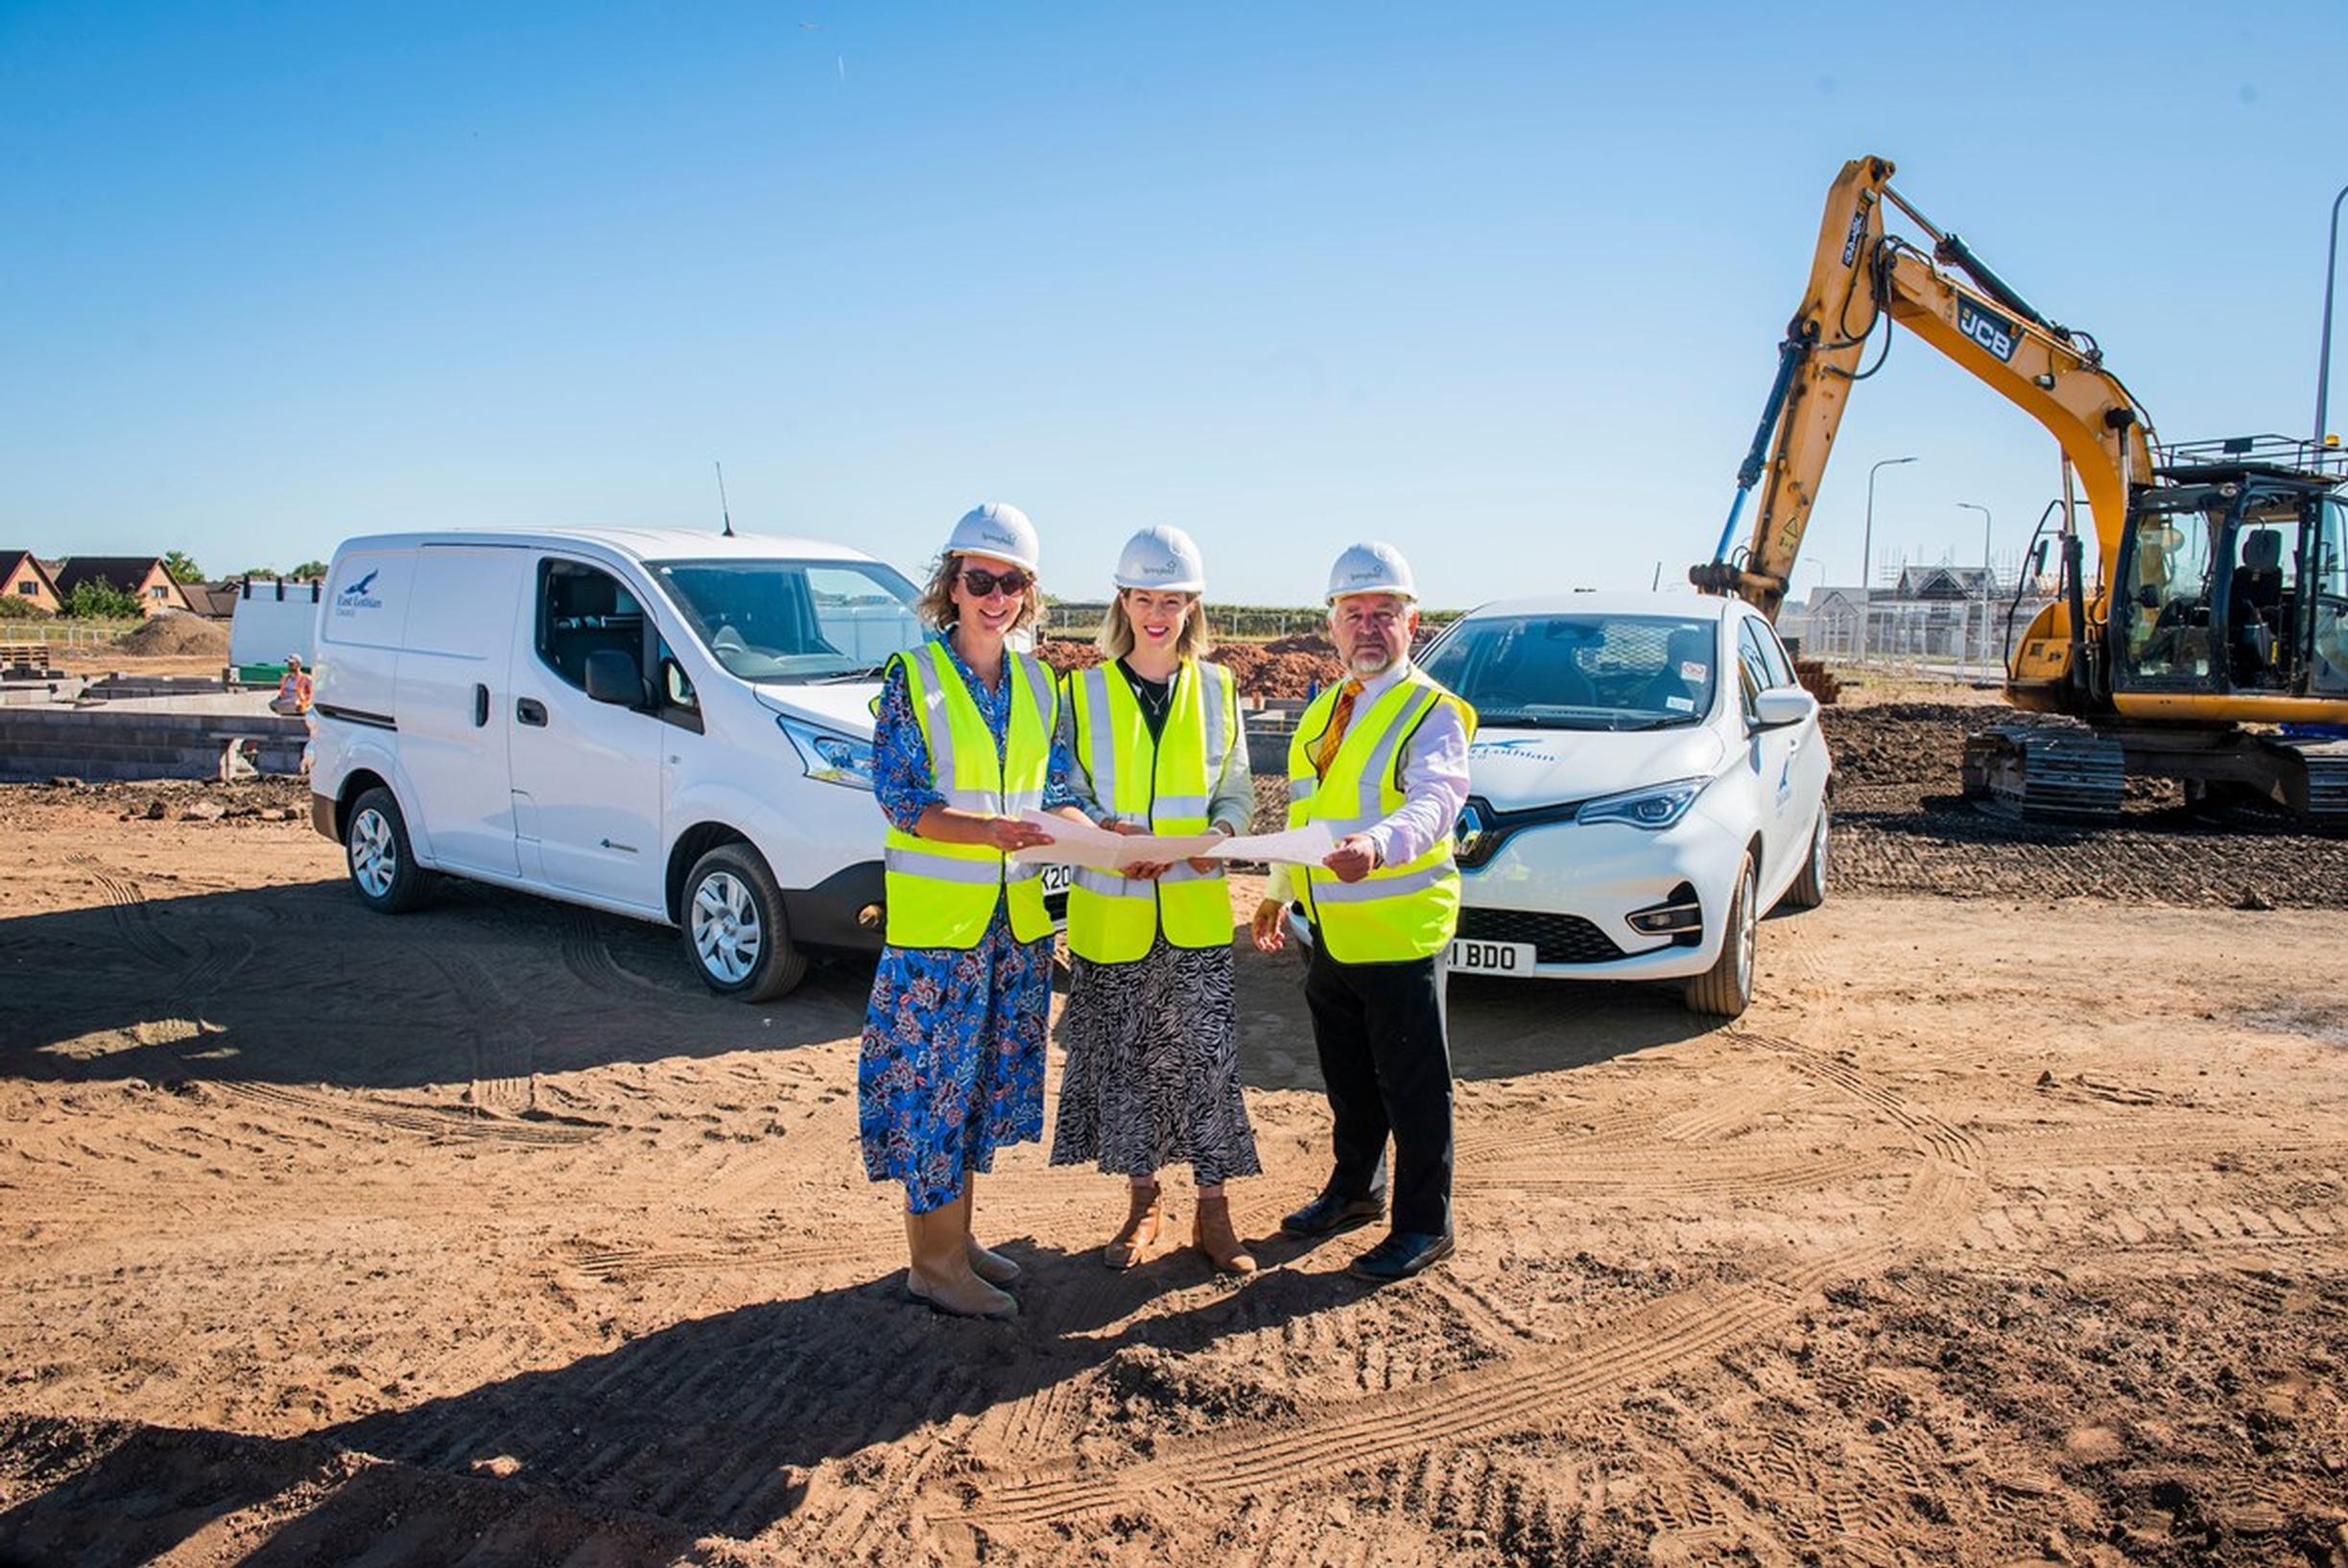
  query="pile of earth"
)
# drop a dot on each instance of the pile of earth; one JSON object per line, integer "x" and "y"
{"x": 1293, "y": 667}
{"x": 1066, "y": 653}
{"x": 176, "y": 637}
{"x": 1902, "y": 826}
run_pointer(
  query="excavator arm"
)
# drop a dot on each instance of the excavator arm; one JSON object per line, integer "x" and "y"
{"x": 1859, "y": 275}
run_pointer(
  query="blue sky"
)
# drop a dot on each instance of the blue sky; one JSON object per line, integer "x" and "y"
{"x": 1500, "y": 283}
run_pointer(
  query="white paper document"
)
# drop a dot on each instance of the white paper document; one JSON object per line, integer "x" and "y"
{"x": 1081, "y": 843}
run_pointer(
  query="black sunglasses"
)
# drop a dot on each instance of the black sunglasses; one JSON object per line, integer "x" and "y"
{"x": 982, "y": 584}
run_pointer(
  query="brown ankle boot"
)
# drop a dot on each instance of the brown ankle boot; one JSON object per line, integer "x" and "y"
{"x": 1144, "y": 1218}
{"x": 1211, "y": 1233}
{"x": 989, "y": 1266}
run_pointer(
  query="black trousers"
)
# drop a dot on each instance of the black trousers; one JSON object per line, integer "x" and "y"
{"x": 1386, "y": 1057}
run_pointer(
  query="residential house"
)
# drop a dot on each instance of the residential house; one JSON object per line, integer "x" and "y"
{"x": 23, "y": 577}
{"x": 214, "y": 601}
{"x": 142, "y": 574}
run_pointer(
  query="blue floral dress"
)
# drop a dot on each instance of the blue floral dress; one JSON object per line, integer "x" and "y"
{"x": 953, "y": 1059}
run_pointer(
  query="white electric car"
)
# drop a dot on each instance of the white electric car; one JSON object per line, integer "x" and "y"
{"x": 1647, "y": 778}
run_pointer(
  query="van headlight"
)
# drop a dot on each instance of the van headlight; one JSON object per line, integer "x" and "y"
{"x": 1653, "y": 808}
{"x": 829, "y": 757}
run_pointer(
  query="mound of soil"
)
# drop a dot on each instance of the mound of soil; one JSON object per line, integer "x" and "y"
{"x": 177, "y": 635}
{"x": 1268, "y": 670}
{"x": 1261, "y": 668}
{"x": 1066, "y": 653}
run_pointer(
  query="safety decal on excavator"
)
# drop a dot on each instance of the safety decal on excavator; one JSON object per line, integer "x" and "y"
{"x": 1859, "y": 227}
{"x": 1986, "y": 327}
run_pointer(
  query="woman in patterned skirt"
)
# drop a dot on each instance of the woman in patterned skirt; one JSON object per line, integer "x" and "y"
{"x": 952, "y": 1066}
{"x": 1152, "y": 1073}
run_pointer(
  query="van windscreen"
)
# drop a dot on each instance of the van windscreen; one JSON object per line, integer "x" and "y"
{"x": 794, "y": 620}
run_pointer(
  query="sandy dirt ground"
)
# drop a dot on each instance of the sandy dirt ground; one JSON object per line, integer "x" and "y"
{"x": 2009, "y": 1226}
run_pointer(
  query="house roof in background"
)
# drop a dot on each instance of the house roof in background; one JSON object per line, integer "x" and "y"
{"x": 11, "y": 560}
{"x": 123, "y": 571}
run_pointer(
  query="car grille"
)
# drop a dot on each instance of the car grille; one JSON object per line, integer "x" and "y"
{"x": 1556, "y": 938}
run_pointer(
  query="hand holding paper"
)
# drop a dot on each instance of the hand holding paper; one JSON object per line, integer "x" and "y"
{"x": 1081, "y": 843}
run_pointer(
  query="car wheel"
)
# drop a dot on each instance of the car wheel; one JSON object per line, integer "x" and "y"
{"x": 1725, "y": 988}
{"x": 733, "y": 926}
{"x": 1809, "y": 889}
{"x": 383, "y": 867}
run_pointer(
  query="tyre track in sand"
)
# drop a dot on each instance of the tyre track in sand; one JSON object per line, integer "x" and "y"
{"x": 395, "y": 1117}
{"x": 201, "y": 963}
{"x": 1527, "y": 1389}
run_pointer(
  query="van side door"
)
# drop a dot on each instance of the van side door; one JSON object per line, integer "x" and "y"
{"x": 587, "y": 774}
{"x": 452, "y": 704}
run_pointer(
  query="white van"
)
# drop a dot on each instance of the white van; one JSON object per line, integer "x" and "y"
{"x": 667, "y": 725}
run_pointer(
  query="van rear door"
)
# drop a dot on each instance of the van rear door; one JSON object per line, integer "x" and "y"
{"x": 453, "y": 703}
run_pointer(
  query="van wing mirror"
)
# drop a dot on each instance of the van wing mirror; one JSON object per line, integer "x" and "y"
{"x": 613, "y": 675}
{"x": 1783, "y": 705}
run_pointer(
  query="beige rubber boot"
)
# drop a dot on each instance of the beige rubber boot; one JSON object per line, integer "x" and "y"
{"x": 941, "y": 1277}
{"x": 1144, "y": 1218}
{"x": 992, "y": 1267}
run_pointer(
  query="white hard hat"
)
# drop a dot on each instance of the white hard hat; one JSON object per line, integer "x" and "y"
{"x": 999, "y": 529}
{"x": 1161, "y": 557}
{"x": 1370, "y": 567}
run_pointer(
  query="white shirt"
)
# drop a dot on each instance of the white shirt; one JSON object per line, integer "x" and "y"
{"x": 1434, "y": 785}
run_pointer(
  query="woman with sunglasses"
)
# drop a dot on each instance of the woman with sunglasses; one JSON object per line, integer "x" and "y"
{"x": 952, "y": 1066}
{"x": 1153, "y": 1071}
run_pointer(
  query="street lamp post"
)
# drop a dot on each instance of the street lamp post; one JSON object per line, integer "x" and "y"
{"x": 2323, "y": 353}
{"x": 1975, "y": 505}
{"x": 1867, "y": 555}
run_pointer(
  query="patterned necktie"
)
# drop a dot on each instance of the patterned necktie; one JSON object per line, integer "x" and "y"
{"x": 1324, "y": 750}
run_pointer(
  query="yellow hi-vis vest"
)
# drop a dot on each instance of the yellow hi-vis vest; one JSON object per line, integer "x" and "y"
{"x": 944, "y": 894}
{"x": 1168, "y": 783}
{"x": 1397, "y": 912}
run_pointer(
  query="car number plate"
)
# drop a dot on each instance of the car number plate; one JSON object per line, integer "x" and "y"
{"x": 1476, "y": 958}
{"x": 1056, "y": 879}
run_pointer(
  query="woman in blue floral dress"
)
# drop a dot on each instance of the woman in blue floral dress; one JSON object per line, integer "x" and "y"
{"x": 952, "y": 1058}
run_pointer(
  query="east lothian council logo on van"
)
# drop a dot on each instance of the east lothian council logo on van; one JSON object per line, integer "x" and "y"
{"x": 354, "y": 595}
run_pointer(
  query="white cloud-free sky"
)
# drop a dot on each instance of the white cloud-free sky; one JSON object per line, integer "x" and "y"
{"x": 1499, "y": 283}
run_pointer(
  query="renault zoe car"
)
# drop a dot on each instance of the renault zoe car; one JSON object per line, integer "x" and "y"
{"x": 1647, "y": 778}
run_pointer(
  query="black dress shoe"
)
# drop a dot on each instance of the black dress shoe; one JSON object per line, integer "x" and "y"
{"x": 1328, "y": 1214}
{"x": 1402, "y": 1254}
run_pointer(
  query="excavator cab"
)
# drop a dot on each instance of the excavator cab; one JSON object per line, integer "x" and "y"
{"x": 2231, "y": 581}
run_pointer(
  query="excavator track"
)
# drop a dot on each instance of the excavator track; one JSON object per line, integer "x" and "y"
{"x": 2047, "y": 772}
{"x": 2320, "y": 794}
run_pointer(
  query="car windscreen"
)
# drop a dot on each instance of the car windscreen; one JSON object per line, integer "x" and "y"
{"x": 1581, "y": 671}
{"x": 795, "y": 621}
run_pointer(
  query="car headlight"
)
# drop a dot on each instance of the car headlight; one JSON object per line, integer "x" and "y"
{"x": 830, "y": 757}
{"x": 1654, "y": 808}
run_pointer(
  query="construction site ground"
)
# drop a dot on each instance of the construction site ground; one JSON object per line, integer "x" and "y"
{"x": 2010, "y": 1226}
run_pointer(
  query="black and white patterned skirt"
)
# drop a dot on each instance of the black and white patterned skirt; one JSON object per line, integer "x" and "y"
{"x": 1152, "y": 1072}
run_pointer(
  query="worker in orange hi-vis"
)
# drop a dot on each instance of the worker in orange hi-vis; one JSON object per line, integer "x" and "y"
{"x": 294, "y": 691}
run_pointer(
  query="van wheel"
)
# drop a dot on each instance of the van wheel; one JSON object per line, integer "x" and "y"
{"x": 1725, "y": 988}
{"x": 1809, "y": 889}
{"x": 734, "y": 925}
{"x": 383, "y": 867}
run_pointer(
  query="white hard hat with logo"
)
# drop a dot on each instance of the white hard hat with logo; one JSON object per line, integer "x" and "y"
{"x": 1370, "y": 567}
{"x": 999, "y": 529}
{"x": 1161, "y": 557}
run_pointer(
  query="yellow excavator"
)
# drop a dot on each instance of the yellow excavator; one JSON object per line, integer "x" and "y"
{"x": 2210, "y": 647}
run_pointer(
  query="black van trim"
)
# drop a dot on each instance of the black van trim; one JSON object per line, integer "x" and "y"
{"x": 356, "y": 716}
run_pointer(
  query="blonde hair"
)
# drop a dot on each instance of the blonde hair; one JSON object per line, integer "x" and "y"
{"x": 1192, "y": 641}
{"x": 937, "y": 610}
